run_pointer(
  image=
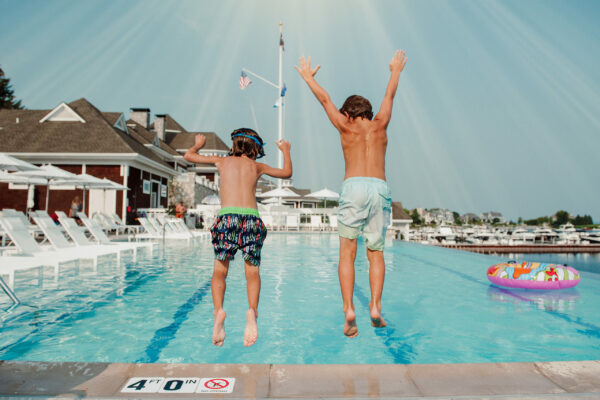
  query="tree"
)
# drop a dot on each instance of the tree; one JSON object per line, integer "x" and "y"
{"x": 415, "y": 217}
{"x": 582, "y": 220}
{"x": 456, "y": 216}
{"x": 7, "y": 97}
{"x": 562, "y": 217}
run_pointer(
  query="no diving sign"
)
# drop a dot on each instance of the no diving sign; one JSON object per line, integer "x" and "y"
{"x": 216, "y": 385}
{"x": 178, "y": 385}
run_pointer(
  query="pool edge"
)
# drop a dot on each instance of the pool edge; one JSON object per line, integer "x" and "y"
{"x": 105, "y": 380}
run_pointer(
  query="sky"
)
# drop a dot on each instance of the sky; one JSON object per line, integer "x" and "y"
{"x": 498, "y": 107}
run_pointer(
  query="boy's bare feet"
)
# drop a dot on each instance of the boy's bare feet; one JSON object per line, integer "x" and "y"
{"x": 251, "y": 331}
{"x": 376, "y": 319}
{"x": 350, "y": 328}
{"x": 219, "y": 328}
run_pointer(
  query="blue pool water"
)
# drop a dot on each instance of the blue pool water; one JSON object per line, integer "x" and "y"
{"x": 439, "y": 305}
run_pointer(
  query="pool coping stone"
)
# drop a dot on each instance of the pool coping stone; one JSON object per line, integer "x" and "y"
{"x": 564, "y": 379}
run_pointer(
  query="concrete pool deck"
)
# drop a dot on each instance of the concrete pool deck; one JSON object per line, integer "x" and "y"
{"x": 568, "y": 379}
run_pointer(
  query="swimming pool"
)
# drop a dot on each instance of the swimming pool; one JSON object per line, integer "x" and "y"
{"x": 438, "y": 303}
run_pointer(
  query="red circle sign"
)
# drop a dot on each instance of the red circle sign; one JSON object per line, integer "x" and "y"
{"x": 216, "y": 383}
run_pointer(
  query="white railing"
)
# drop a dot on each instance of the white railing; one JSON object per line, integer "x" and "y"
{"x": 276, "y": 217}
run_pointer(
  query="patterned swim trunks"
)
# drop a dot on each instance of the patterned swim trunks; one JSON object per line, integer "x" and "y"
{"x": 238, "y": 228}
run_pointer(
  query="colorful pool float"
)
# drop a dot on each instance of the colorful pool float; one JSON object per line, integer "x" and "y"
{"x": 533, "y": 275}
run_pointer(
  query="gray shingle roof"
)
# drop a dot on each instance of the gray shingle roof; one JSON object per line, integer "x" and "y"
{"x": 96, "y": 135}
{"x": 144, "y": 136}
{"x": 185, "y": 140}
{"x": 171, "y": 124}
{"x": 398, "y": 211}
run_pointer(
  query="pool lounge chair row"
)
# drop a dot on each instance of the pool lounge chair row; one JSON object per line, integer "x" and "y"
{"x": 112, "y": 222}
{"x": 162, "y": 227}
{"x": 26, "y": 252}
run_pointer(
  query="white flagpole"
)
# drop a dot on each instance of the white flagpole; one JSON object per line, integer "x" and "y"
{"x": 280, "y": 108}
{"x": 279, "y": 87}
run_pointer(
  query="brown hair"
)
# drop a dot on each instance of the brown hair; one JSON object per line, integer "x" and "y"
{"x": 357, "y": 106}
{"x": 243, "y": 144}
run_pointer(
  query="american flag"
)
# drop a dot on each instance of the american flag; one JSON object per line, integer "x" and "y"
{"x": 244, "y": 81}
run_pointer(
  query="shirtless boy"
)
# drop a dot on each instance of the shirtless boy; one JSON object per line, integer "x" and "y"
{"x": 238, "y": 225}
{"x": 365, "y": 201}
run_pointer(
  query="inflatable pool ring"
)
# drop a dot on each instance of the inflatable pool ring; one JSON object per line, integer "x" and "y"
{"x": 534, "y": 275}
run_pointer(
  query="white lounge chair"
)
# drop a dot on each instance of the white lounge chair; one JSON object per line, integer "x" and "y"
{"x": 126, "y": 228}
{"x": 179, "y": 225}
{"x": 27, "y": 246}
{"x": 171, "y": 230}
{"x": 99, "y": 235}
{"x": 9, "y": 212}
{"x": 59, "y": 242}
{"x": 268, "y": 221}
{"x": 315, "y": 222}
{"x": 106, "y": 223}
{"x": 333, "y": 222}
{"x": 291, "y": 222}
{"x": 152, "y": 232}
{"x": 80, "y": 239}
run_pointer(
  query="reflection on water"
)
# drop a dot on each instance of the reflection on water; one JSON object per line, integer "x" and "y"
{"x": 548, "y": 300}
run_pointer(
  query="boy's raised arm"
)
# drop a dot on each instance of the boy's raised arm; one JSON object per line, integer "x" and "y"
{"x": 193, "y": 156}
{"x": 308, "y": 74}
{"x": 284, "y": 172}
{"x": 385, "y": 111}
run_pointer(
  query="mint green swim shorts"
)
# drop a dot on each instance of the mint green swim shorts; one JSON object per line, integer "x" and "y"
{"x": 365, "y": 206}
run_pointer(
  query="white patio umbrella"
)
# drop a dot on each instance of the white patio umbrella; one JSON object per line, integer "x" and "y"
{"x": 211, "y": 199}
{"x": 113, "y": 185}
{"x": 24, "y": 180}
{"x": 279, "y": 193}
{"x": 52, "y": 176}
{"x": 324, "y": 194}
{"x": 85, "y": 182}
{"x": 270, "y": 200}
{"x": 10, "y": 163}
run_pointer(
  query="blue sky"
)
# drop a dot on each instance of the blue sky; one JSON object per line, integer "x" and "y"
{"x": 498, "y": 107}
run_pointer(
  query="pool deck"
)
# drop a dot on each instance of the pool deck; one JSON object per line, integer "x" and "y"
{"x": 539, "y": 380}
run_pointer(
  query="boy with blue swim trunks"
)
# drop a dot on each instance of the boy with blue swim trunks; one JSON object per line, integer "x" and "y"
{"x": 238, "y": 225}
{"x": 365, "y": 201}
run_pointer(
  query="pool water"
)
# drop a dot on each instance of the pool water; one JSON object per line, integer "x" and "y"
{"x": 439, "y": 305}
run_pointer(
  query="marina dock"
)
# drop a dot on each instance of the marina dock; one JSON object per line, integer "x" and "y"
{"x": 537, "y": 248}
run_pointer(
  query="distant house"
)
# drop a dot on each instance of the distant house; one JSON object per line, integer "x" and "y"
{"x": 301, "y": 201}
{"x": 179, "y": 139}
{"x": 400, "y": 219}
{"x": 469, "y": 218}
{"x": 440, "y": 216}
{"x": 79, "y": 138}
{"x": 490, "y": 216}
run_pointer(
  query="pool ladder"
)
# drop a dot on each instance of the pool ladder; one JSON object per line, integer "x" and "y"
{"x": 9, "y": 292}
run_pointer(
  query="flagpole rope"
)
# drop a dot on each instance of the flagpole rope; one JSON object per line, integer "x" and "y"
{"x": 261, "y": 78}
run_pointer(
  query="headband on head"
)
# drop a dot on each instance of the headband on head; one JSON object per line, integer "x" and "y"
{"x": 261, "y": 151}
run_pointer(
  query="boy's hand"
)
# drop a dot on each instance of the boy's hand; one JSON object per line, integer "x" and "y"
{"x": 200, "y": 140}
{"x": 305, "y": 70}
{"x": 398, "y": 61}
{"x": 283, "y": 145}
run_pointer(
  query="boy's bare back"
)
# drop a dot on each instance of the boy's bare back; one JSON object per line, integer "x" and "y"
{"x": 239, "y": 174}
{"x": 364, "y": 141}
{"x": 364, "y": 144}
{"x": 238, "y": 181}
